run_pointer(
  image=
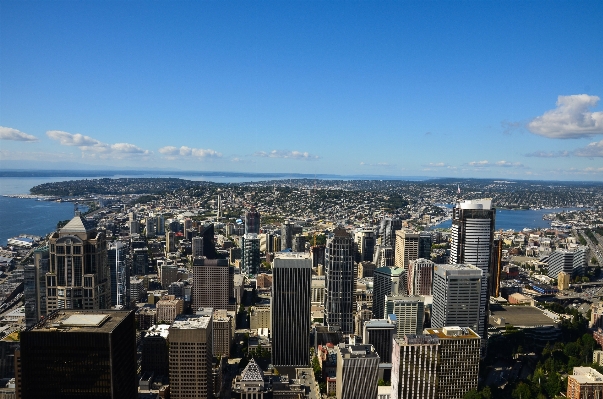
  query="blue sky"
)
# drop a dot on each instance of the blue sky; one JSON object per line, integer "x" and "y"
{"x": 503, "y": 89}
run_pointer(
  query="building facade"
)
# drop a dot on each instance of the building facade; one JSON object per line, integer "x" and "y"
{"x": 357, "y": 371}
{"x": 211, "y": 285}
{"x": 414, "y": 366}
{"x": 387, "y": 281}
{"x": 409, "y": 312}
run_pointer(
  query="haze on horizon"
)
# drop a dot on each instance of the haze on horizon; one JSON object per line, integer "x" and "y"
{"x": 440, "y": 89}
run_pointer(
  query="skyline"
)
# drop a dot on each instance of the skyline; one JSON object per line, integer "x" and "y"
{"x": 435, "y": 89}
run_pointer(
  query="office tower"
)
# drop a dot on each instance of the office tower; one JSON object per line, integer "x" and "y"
{"x": 120, "y": 274}
{"x": 425, "y": 241}
{"x": 160, "y": 225}
{"x": 458, "y": 365}
{"x": 252, "y": 221}
{"x": 168, "y": 309}
{"x": 409, "y": 312}
{"x": 363, "y": 314}
{"x": 317, "y": 289}
{"x": 384, "y": 256}
{"x": 197, "y": 247}
{"x": 136, "y": 289}
{"x": 76, "y": 353}
{"x": 456, "y": 296}
{"x": 387, "y": 231}
{"x": 140, "y": 261}
{"x": 187, "y": 224}
{"x": 170, "y": 242}
{"x": 407, "y": 247}
{"x": 288, "y": 231}
{"x": 299, "y": 243}
{"x": 414, "y": 366}
{"x": 154, "y": 354}
{"x": 34, "y": 286}
{"x": 223, "y": 332}
{"x": 420, "y": 277}
{"x": 472, "y": 235}
{"x": 250, "y": 254}
{"x": 387, "y": 281}
{"x": 365, "y": 245}
{"x": 380, "y": 334}
{"x": 209, "y": 247}
{"x": 134, "y": 227}
{"x": 266, "y": 243}
{"x": 150, "y": 229}
{"x": 357, "y": 371}
{"x": 570, "y": 262}
{"x": 211, "y": 283}
{"x": 317, "y": 253}
{"x": 167, "y": 275}
{"x": 292, "y": 273}
{"x": 340, "y": 281}
{"x": 79, "y": 277}
{"x": 191, "y": 353}
{"x": 495, "y": 267}
{"x": 584, "y": 382}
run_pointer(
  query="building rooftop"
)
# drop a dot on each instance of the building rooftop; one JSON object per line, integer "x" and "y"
{"x": 78, "y": 225}
{"x": 520, "y": 316}
{"x": 162, "y": 330}
{"x": 101, "y": 321}
{"x": 452, "y": 332}
{"x": 189, "y": 322}
{"x": 587, "y": 375}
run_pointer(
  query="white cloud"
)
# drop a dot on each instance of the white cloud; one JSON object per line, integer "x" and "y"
{"x": 592, "y": 150}
{"x": 500, "y": 164}
{"x": 286, "y": 154}
{"x": 172, "y": 152}
{"x": 479, "y": 164}
{"x": 95, "y": 148}
{"x": 436, "y": 165}
{"x": 571, "y": 119}
{"x": 507, "y": 164}
{"x": 548, "y": 154}
{"x": 8, "y": 133}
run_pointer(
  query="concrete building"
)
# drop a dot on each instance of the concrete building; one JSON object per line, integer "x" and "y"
{"x": 357, "y": 371}
{"x": 473, "y": 224}
{"x": 387, "y": 281}
{"x": 563, "y": 280}
{"x": 363, "y": 314}
{"x": 420, "y": 277}
{"x": 414, "y": 366}
{"x": 197, "y": 247}
{"x": 340, "y": 282}
{"x": 317, "y": 289}
{"x": 407, "y": 247}
{"x": 366, "y": 269}
{"x": 456, "y": 296}
{"x": 259, "y": 317}
{"x": 250, "y": 254}
{"x": 191, "y": 354}
{"x": 80, "y": 353}
{"x": 167, "y": 275}
{"x": 223, "y": 330}
{"x": 120, "y": 274}
{"x": 568, "y": 261}
{"x": 252, "y": 221}
{"x": 211, "y": 286}
{"x": 79, "y": 277}
{"x": 291, "y": 309}
{"x": 380, "y": 334}
{"x": 168, "y": 309}
{"x": 458, "y": 364}
{"x": 34, "y": 286}
{"x": 409, "y": 312}
{"x": 136, "y": 289}
{"x": 154, "y": 354}
{"x": 365, "y": 245}
{"x": 585, "y": 382}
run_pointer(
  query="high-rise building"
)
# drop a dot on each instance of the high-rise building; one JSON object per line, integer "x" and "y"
{"x": 197, "y": 247}
{"x": 170, "y": 242}
{"x": 211, "y": 283}
{"x": 425, "y": 241}
{"x": 169, "y": 308}
{"x": 250, "y": 254}
{"x": 120, "y": 274}
{"x": 568, "y": 261}
{"x": 288, "y": 231}
{"x": 191, "y": 354}
{"x": 458, "y": 364}
{"x": 407, "y": 247}
{"x": 357, "y": 371}
{"x": 472, "y": 236}
{"x": 34, "y": 286}
{"x": 154, "y": 354}
{"x": 223, "y": 332}
{"x": 79, "y": 277}
{"x": 420, "y": 277}
{"x": 292, "y": 273}
{"x": 380, "y": 334}
{"x": 387, "y": 281}
{"x": 387, "y": 231}
{"x": 414, "y": 366}
{"x": 80, "y": 354}
{"x": 409, "y": 312}
{"x": 252, "y": 221}
{"x": 340, "y": 281}
{"x": 384, "y": 256}
{"x": 160, "y": 225}
{"x": 150, "y": 229}
{"x": 140, "y": 261}
{"x": 456, "y": 296}
{"x": 167, "y": 275}
{"x": 365, "y": 245}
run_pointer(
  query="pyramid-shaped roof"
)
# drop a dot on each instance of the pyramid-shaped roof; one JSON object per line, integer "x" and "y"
{"x": 78, "y": 225}
{"x": 252, "y": 372}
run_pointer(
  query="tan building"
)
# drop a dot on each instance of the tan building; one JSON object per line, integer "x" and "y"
{"x": 191, "y": 353}
{"x": 458, "y": 364}
{"x": 366, "y": 269}
{"x": 317, "y": 289}
{"x": 407, "y": 248}
{"x": 167, "y": 275}
{"x": 168, "y": 309}
{"x": 211, "y": 283}
{"x": 264, "y": 281}
{"x": 563, "y": 281}
{"x": 223, "y": 329}
{"x": 79, "y": 277}
{"x": 259, "y": 317}
{"x": 585, "y": 383}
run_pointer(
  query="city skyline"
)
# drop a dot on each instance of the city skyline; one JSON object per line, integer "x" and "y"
{"x": 435, "y": 89}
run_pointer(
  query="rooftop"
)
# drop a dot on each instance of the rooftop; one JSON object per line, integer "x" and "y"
{"x": 452, "y": 332}
{"x": 189, "y": 322}
{"x": 101, "y": 321}
{"x": 520, "y": 316}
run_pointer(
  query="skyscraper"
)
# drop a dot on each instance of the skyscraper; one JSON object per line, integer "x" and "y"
{"x": 472, "y": 235}
{"x": 357, "y": 371}
{"x": 250, "y": 254}
{"x": 414, "y": 366}
{"x": 197, "y": 247}
{"x": 386, "y": 281}
{"x": 409, "y": 312}
{"x": 252, "y": 221}
{"x": 190, "y": 354}
{"x": 120, "y": 274}
{"x": 79, "y": 277}
{"x": 292, "y": 273}
{"x": 456, "y": 296}
{"x": 407, "y": 247}
{"x": 80, "y": 354}
{"x": 365, "y": 245}
{"x": 340, "y": 281}
{"x": 380, "y": 334}
{"x": 34, "y": 286}
{"x": 211, "y": 283}
{"x": 420, "y": 277}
